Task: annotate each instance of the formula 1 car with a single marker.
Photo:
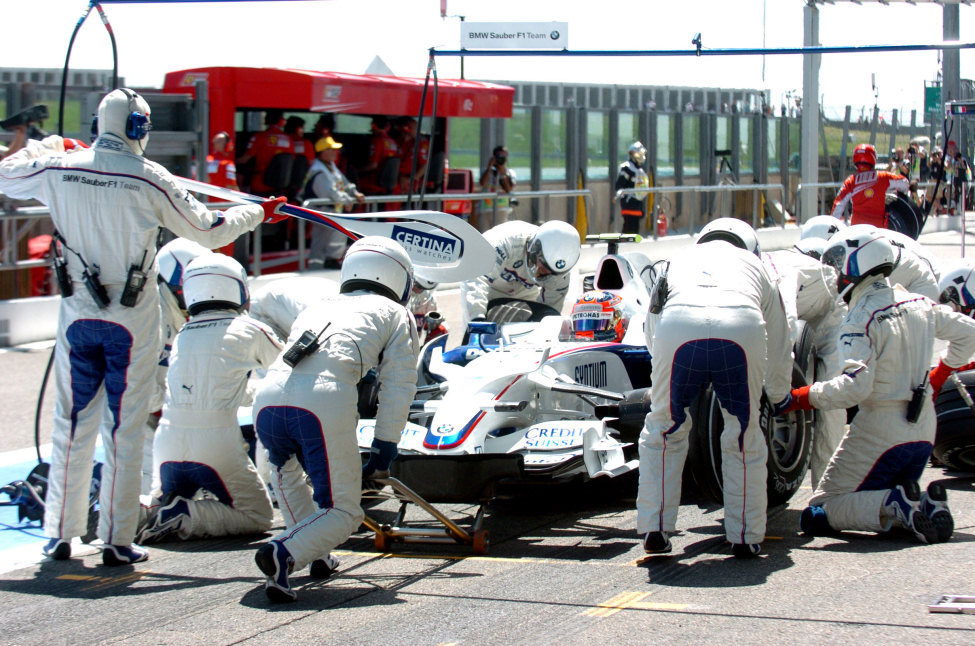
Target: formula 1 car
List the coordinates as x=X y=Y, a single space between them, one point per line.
x=568 y=409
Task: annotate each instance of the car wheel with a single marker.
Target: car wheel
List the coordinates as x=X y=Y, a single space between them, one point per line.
x=788 y=439
x=954 y=442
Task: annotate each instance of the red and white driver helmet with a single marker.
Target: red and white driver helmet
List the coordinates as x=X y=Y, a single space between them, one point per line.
x=864 y=154
x=598 y=316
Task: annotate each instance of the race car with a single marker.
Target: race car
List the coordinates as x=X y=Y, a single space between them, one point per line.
x=569 y=408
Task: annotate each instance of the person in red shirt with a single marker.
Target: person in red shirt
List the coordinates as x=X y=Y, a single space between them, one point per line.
x=406 y=131
x=263 y=147
x=381 y=148
x=866 y=189
x=221 y=170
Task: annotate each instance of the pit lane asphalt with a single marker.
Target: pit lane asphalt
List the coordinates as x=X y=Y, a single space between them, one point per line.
x=564 y=565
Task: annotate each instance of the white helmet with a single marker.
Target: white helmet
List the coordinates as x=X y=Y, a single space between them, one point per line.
x=378 y=265
x=857 y=254
x=957 y=287
x=555 y=246
x=421 y=284
x=637 y=152
x=124 y=114
x=737 y=232
x=172 y=260
x=812 y=247
x=214 y=281
x=821 y=226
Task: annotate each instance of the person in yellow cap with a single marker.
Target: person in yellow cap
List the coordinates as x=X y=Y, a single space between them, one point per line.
x=326 y=181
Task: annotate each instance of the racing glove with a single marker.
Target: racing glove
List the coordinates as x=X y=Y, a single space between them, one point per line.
x=381 y=455
x=798 y=399
x=73 y=145
x=939 y=375
x=271 y=212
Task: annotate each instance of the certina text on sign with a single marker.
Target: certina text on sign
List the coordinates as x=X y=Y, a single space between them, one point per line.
x=514 y=35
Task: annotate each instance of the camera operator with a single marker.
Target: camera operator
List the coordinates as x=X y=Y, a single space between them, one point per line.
x=498 y=178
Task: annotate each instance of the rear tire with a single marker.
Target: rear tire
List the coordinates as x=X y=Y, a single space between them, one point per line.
x=788 y=439
x=954 y=442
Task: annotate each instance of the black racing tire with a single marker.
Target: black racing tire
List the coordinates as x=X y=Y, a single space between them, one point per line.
x=788 y=439
x=903 y=215
x=954 y=441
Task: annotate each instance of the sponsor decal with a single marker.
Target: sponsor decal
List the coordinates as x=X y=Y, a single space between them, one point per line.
x=422 y=244
x=332 y=93
x=443 y=430
x=467 y=105
x=591 y=374
x=555 y=437
x=190 y=78
x=560 y=264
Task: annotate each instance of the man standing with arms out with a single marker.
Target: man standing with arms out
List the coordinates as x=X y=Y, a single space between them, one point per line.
x=326 y=181
x=306 y=415
x=108 y=203
x=633 y=175
x=866 y=189
x=721 y=321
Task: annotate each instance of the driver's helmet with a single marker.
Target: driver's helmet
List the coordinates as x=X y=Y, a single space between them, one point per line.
x=598 y=316
x=958 y=289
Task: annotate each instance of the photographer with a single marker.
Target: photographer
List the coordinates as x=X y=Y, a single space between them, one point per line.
x=498 y=178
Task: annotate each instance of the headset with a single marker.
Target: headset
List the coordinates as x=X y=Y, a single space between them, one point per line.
x=137 y=124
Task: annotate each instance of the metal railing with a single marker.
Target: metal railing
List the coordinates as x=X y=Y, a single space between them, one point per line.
x=719 y=191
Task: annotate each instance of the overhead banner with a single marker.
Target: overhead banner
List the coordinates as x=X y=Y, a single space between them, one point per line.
x=514 y=35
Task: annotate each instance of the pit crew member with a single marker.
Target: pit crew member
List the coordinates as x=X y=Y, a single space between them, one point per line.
x=533 y=263
x=303 y=414
x=198 y=446
x=716 y=317
x=866 y=189
x=632 y=175
x=886 y=341
x=108 y=203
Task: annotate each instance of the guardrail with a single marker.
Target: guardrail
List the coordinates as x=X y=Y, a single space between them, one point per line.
x=719 y=191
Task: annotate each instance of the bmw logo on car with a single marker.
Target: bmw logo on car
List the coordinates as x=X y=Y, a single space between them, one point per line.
x=443 y=430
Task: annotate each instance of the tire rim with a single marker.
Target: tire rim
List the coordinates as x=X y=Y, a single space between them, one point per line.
x=786 y=441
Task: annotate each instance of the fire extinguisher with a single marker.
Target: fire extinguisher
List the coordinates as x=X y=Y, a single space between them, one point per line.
x=661 y=224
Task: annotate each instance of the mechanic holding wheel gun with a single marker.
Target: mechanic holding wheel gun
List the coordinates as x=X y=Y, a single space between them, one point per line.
x=885 y=345
x=108 y=204
x=715 y=318
x=305 y=414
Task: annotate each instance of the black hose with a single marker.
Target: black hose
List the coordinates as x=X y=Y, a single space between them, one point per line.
x=433 y=135
x=419 y=131
x=64 y=73
x=40 y=405
x=111 y=36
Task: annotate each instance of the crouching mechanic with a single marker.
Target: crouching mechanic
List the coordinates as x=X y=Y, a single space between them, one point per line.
x=533 y=263
x=198 y=447
x=715 y=318
x=108 y=204
x=885 y=344
x=306 y=415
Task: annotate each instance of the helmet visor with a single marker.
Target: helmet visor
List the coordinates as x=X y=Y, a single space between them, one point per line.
x=592 y=321
x=538 y=268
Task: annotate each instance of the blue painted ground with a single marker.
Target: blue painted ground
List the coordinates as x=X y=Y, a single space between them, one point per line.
x=14 y=533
